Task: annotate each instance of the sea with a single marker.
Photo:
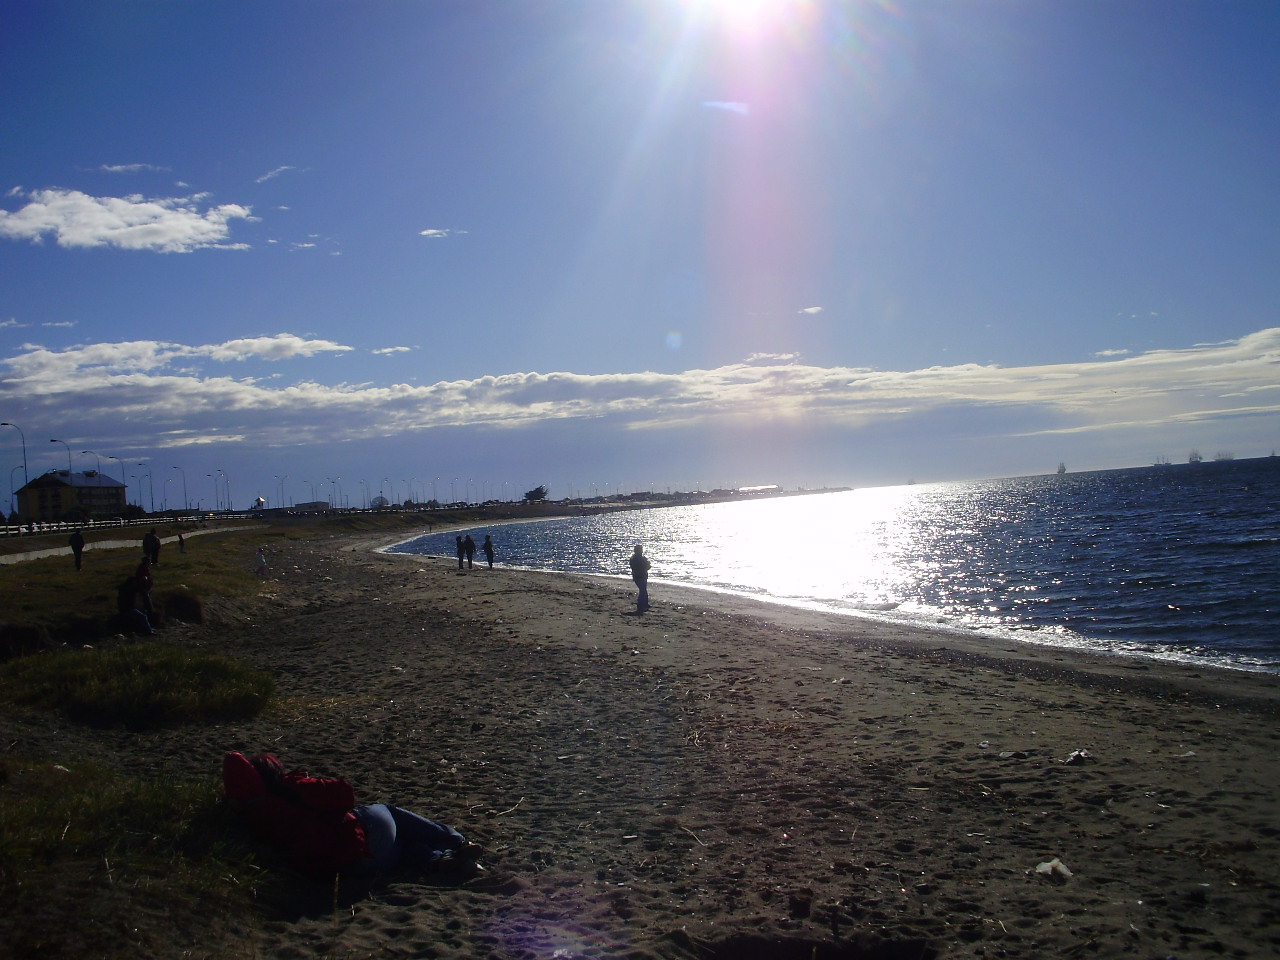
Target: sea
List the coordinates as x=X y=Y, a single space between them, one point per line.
x=1174 y=561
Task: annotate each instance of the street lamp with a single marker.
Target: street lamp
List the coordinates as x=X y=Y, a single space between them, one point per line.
x=25 y=477
x=186 y=504
x=217 y=494
x=151 y=485
x=121 y=462
x=99 y=459
x=13 y=494
x=70 y=469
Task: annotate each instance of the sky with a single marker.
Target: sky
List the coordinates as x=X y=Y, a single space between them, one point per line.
x=320 y=249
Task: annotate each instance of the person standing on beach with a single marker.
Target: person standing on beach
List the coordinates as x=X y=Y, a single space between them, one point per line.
x=469 y=546
x=151 y=547
x=640 y=574
x=77 y=546
x=462 y=550
x=487 y=547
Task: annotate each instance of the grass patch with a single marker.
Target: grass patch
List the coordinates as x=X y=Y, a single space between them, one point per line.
x=137 y=685
x=94 y=864
x=48 y=601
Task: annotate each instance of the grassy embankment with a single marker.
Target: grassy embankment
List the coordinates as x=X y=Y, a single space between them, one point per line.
x=94 y=863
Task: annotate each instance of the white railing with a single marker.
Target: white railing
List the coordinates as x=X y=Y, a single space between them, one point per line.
x=38 y=528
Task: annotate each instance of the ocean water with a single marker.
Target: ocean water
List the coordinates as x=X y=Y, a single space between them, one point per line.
x=1176 y=562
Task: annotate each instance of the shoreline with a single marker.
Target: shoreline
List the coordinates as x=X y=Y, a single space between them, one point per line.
x=707 y=781
x=977 y=641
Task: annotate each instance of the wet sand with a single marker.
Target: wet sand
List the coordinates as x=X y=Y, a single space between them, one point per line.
x=718 y=778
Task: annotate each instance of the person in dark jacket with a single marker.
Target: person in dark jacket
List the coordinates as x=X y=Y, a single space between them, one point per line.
x=639 y=564
x=316 y=823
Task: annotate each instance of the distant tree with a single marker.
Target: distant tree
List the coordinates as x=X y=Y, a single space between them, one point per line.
x=537 y=494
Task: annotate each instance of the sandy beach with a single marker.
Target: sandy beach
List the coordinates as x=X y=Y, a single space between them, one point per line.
x=723 y=779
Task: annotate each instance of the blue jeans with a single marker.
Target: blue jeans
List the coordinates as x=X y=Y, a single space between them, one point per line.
x=642 y=601
x=399 y=836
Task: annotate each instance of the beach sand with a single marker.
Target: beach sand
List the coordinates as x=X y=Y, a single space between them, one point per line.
x=723 y=779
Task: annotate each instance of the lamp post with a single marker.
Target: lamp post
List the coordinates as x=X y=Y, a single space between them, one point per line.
x=13 y=493
x=99 y=459
x=70 y=469
x=25 y=477
x=164 y=494
x=121 y=462
x=186 y=504
x=280 y=479
x=151 y=485
x=365 y=484
x=217 y=495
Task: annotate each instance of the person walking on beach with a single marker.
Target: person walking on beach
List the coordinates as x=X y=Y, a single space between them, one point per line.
x=640 y=574
x=462 y=550
x=469 y=546
x=262 y=562
x=77 y=546
x=487 y=547
x=151 y=547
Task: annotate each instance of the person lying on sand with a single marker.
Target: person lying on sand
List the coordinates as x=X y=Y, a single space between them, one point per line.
x=316 y=823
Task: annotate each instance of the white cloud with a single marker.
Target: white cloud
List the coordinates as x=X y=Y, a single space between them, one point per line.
x=434 y=233
x=166 y=225
x=283 y=346
x=271 y=175
x=158 y=386
x=387 y=351
x=811 y=310
x=131 y=168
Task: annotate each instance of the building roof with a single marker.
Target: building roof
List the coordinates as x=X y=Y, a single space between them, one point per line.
x=61 y=478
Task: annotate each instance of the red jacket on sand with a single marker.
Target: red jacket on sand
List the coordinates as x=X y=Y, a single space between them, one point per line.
x=310 y=819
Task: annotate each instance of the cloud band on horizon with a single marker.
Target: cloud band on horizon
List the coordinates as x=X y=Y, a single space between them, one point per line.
x=161 y=389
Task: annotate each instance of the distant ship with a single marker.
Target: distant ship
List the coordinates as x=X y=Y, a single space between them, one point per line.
x=1195 y=457
x=1062 y=468
x=1224 y=455
x=1161 y=462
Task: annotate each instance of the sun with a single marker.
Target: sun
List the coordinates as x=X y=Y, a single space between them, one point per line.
x=742 y=16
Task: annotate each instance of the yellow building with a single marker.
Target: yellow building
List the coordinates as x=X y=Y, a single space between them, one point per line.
x=59 y=495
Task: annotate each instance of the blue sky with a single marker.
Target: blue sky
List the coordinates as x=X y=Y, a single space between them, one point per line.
x=621 y=244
